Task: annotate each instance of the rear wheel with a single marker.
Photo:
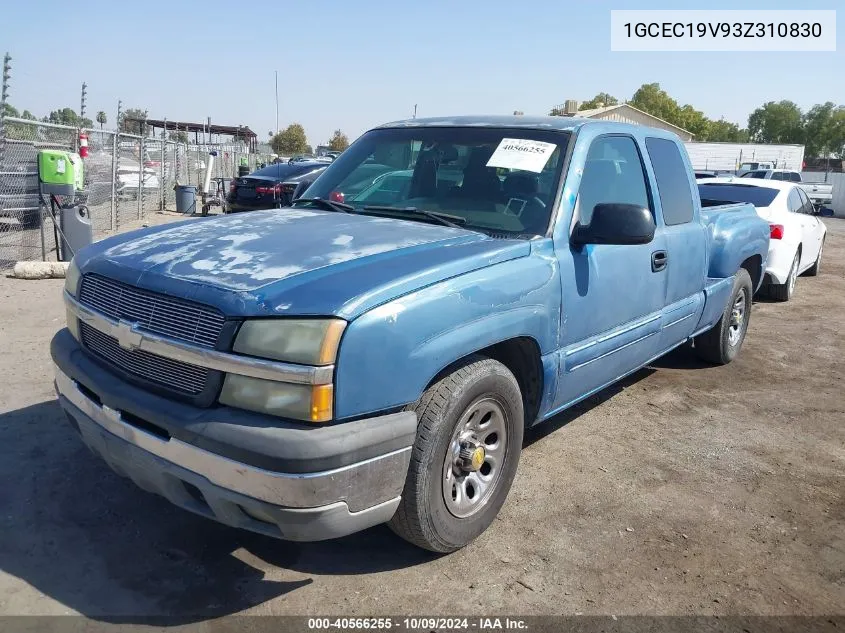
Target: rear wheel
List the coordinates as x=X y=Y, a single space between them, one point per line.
x=464 y=458
x=813 y=270
x=784 y=292
x=721 y=343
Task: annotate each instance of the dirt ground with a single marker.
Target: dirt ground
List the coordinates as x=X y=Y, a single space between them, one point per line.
x=685 y=490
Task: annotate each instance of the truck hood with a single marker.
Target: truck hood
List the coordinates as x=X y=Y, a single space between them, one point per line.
x=294 y=261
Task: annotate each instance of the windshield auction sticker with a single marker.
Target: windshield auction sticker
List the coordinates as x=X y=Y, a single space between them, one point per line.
x=520 y=153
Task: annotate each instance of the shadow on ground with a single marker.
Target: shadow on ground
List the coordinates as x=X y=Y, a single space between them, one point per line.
x=99 y=545
x=96 y=543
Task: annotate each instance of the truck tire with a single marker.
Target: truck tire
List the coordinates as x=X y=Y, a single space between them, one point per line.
x=813 y=270
x=784 y=292
x=465 y=456
x=721 y=343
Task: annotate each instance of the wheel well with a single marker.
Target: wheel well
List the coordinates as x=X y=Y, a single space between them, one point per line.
x=754 y=266
x=521 y=356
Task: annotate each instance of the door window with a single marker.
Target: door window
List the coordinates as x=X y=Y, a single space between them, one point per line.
x=613 y=172
x=806 y=205
x=793 y=202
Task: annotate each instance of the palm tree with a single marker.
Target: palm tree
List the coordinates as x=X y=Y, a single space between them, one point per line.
x=101 y=118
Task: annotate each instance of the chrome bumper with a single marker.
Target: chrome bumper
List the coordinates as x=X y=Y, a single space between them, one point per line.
x=366 y=484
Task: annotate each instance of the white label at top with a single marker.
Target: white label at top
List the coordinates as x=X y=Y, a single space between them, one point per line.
x=520 y=153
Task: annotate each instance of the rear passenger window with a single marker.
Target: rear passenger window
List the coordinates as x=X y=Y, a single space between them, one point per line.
x=672 y=180
x=793 y=202
x=794 y=177
x=613 y=172
x=776 y=175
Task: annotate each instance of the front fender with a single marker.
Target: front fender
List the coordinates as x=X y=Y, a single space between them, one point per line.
x=390 y=354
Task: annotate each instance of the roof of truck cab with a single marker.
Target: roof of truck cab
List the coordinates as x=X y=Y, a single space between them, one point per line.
x=554 y=123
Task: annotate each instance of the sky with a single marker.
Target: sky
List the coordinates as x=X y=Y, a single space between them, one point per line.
x=354 y=65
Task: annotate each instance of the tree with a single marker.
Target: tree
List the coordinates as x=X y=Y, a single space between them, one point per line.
x=180 y=136
x=133 y=126
x=338 y=142
x=10 y=110
x=824 y=130
x=101 y=118
x=290 y=141
x=653 y=99
x=722 y=131
x=68 y=116
x=29 y=116
x=776 y=122
x=601 y=100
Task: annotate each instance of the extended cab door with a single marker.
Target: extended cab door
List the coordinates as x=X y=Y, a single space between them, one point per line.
x=686 y=240
x=613 y=295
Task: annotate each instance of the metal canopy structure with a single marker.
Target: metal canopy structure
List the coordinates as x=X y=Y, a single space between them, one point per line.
x=236 y=131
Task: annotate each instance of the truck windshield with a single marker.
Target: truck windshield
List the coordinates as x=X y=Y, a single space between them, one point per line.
x=733 y=192
x=496 y=179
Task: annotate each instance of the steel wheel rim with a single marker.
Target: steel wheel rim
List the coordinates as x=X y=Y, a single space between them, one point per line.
x=482 y=424
x=793 y=274
x=738 y=320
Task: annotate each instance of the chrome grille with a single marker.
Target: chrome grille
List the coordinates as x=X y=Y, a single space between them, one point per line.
x=157 y=313
x=169 y=373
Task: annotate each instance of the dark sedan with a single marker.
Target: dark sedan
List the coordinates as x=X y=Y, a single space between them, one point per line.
x=270 y=187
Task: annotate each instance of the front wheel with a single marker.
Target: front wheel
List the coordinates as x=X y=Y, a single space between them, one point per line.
x=465 y=456
x=721 y=343
x=784 y=292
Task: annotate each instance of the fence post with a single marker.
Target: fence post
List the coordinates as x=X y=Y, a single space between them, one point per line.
x=114 y=161
x=141 y=174
x=4 y=91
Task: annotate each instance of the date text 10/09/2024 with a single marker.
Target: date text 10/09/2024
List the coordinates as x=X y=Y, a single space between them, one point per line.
x=418 y=624
x=723 y=29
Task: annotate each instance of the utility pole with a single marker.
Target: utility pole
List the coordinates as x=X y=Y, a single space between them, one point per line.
x=277 y=102
x=415 y=110
x=82 y=102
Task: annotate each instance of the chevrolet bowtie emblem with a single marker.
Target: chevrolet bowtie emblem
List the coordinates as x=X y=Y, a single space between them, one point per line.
x=127 y=337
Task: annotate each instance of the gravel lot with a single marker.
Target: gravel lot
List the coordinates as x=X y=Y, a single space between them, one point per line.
x=685 y=490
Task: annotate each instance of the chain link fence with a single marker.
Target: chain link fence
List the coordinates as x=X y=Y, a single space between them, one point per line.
x=127 y=177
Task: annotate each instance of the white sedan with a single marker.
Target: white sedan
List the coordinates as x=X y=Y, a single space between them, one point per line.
x=797 y=234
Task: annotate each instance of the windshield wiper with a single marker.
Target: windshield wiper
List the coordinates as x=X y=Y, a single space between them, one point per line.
x=455 y=221
x=328 y=205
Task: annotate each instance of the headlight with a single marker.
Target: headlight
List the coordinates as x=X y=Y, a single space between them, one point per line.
x=311 y=403
x=72 y=278
x=303 y=341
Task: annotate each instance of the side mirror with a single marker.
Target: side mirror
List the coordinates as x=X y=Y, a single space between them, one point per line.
x=616 y=223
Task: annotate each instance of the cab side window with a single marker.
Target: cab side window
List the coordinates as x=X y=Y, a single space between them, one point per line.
x=613 y=172
x=793 y=177
x=672 y=177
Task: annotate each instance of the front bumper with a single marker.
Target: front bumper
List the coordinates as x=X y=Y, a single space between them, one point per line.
x=298 y=506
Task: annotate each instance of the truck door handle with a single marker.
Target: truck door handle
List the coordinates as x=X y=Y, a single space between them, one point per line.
x=659 y=260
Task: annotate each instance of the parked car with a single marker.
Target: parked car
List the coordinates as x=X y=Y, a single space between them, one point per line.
x=744 y=168
x=821 y=193
x=797 y=234
x=312 y=372
x=270 y=187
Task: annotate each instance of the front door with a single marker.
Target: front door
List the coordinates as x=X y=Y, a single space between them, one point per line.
x=612 y=295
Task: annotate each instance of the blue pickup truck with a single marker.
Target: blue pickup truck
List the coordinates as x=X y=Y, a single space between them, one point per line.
x=375 y=357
